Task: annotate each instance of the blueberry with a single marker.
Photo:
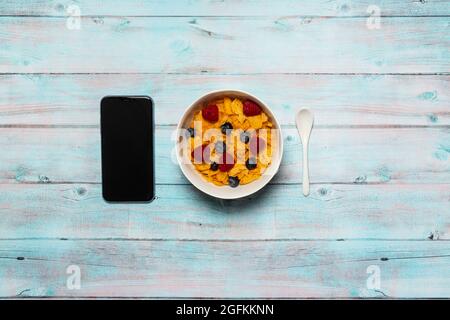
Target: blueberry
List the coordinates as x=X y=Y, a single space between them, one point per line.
x=190 y=132
x=233 y=181
x=221 y=147
x=226 y=127
x=245 y=137
x=214 y=166
x=250 y=163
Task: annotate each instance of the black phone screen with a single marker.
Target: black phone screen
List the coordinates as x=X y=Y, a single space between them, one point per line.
x=127 y=148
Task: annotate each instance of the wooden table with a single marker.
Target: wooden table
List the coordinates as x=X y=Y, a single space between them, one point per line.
x=380 y=150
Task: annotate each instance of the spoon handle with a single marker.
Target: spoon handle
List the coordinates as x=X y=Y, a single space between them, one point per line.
x=305 y=170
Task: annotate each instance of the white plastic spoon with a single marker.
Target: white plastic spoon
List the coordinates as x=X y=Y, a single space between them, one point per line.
x=304 y=121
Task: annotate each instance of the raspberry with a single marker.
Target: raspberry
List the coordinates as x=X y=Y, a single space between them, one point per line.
x=201 y=154
x=256 y=145
x=227 y=162
x=211 y=113
x=251 y=108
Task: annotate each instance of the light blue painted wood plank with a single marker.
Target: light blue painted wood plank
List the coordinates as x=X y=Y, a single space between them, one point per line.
x=391 y=209
x=337 y=100
x=225 y=45
x=226 y=269
x=332 y=211
x=396 y=156
x=229 y=8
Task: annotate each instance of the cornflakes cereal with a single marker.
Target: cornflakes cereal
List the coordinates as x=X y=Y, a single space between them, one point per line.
x=231 y=141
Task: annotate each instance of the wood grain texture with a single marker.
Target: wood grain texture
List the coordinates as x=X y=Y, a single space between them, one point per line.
x=280 y=212
x=225 y=269
x=225 y=45
x=228 y=8
x=361 y=156
x=336 y=100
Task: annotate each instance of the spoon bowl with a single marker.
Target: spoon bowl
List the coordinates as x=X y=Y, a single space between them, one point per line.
x=304 y=121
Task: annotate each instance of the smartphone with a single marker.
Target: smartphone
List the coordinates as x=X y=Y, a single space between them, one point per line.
x=126 y=125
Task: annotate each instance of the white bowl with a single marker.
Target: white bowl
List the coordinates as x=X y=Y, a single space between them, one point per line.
x=227 y=192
